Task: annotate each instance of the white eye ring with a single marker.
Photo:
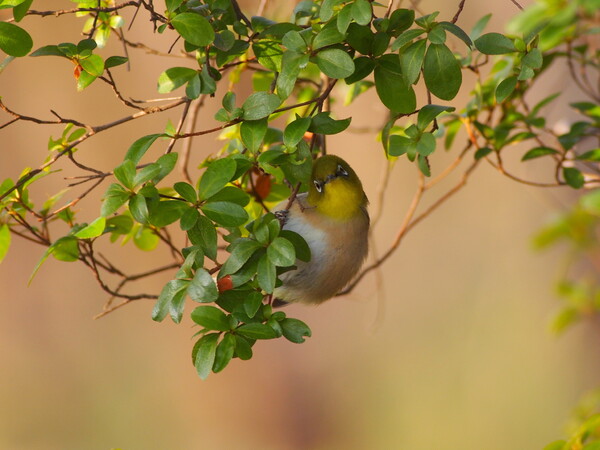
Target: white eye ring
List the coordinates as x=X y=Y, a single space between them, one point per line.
x=318 y=186
x=341 y=170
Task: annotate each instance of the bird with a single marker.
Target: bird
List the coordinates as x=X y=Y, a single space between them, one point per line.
x=332 y=218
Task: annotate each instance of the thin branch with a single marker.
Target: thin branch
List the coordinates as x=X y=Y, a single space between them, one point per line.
x=461 y=5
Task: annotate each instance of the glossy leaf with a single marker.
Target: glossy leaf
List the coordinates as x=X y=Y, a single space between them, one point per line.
x=204 y=352
x=224 y=352
x=295 y=330
x=252 y=133
x=94 y=229
x=202 y=288
x=411 y=60
x=494 y=44
x=393 y=91
x=194 y=28
x=256 y=331
x=281 y=252
x=260 y=105
x=113 y=199
x=335 y=63
x=14 y=40
x=441 y=71
x=217 y=175
x=211 y=318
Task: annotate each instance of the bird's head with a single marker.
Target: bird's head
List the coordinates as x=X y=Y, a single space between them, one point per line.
x=335 y=189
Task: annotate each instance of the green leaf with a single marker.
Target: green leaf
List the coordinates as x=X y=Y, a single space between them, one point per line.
x=458 y=32
x=194 y=87
x=125 y=173
x=204 y=234
x=14 y=40
x=228 y=101
x=252 y=303
x=479 y=26
x=231 y=194
x=139 y=208
x=186 y=191
x=281 y=252
x=202 y=288
x=494 y=44
x=592 y=155
x=253 y=132
x=335 y=63
x=426 y=144
x=399 y=145
x=437 y=35
x=176 y=306
x=93 y=64
x=344 y=18
x=217 y=175
x=405 y=38
x=189 y=219
x=165 y=212
x=65 y=249
x=294 y=330
x=505 y=88
x=573 y=177
x=363 y=68
x=241 y=252
x=48 y=50
x=211 y=318
x=423 y=163
x=145 y=239
x=286 y=80
x=441 y=71
x=243 y=350
x=300 y=246
x=20 y=10
x=267 y=274
x=483 y=152
x=361 y=12
x=224 y=352
x=429 y=112
x=392 y=89
x=411 y=60
x=533 y=59
x=194 y=28
x=226 y=214
x=114 y=61
x=146 y=174
x=256 y=331
x=269 y=54
x=84 y=80
x=5 y=239
x=537 y=152
x=167 y=164
x=175 y=77
x=322 y=123
x=260 y=105
x=293 y=41
x=139 y=148
x=329 y=35
x=294 y=131
x=205 y=351
x=113 y=199
x=94 y=229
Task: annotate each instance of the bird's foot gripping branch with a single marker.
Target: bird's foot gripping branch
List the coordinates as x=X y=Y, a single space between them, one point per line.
x=227 y=250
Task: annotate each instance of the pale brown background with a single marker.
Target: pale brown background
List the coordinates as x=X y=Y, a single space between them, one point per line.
x=462 y=358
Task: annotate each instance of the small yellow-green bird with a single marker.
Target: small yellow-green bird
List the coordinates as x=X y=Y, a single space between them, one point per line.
x=332 y=218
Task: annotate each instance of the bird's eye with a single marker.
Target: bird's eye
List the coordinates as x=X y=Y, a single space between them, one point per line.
x=341 y=170
x=318 y=185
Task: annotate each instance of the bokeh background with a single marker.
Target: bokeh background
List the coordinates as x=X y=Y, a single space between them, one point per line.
x=446 y=347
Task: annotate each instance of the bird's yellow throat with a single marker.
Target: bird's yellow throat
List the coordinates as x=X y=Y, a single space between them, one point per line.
x=341 y=200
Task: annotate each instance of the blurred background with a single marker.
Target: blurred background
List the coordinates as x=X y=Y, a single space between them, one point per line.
x=446 y=347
